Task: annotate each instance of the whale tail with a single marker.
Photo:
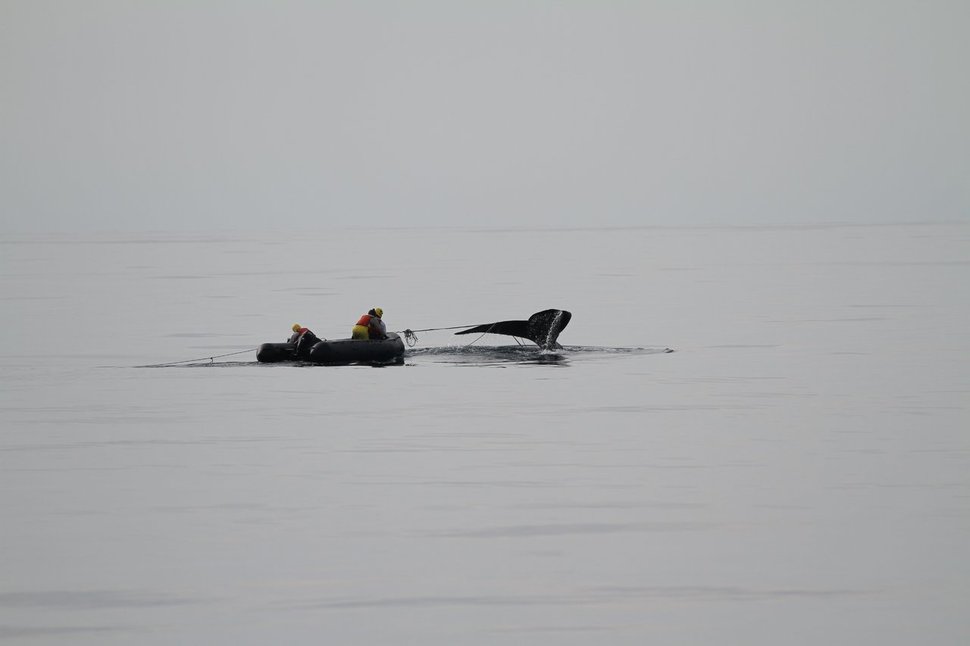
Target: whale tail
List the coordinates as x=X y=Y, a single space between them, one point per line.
x=542 y=328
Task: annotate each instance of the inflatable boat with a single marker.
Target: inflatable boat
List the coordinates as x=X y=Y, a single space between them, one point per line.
x=336 y=352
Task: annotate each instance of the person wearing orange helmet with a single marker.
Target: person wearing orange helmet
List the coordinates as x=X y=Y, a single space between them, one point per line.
x=370 y=326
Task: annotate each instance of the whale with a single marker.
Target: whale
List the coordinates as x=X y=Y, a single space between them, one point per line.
x=542 y=328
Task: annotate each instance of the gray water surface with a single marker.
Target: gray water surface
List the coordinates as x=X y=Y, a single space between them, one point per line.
x=796 y=471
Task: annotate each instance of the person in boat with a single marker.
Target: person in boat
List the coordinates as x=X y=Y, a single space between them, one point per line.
x=370 y=326
x=303 y=339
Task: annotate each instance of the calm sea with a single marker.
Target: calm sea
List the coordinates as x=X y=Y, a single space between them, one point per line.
x=797 y=471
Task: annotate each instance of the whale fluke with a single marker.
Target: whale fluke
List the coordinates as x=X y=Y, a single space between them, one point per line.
x=542 y=328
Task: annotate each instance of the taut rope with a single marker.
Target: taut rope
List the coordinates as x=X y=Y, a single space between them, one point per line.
x=211 y=359
x=412 y=339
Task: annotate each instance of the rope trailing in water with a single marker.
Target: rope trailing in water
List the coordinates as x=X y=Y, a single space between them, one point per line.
x=211 y=359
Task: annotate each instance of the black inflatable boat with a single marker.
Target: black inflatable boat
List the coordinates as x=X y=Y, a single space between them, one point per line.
x=336 y=352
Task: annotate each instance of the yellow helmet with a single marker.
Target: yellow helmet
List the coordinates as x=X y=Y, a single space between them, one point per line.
x=296 y=327
x=379 y=312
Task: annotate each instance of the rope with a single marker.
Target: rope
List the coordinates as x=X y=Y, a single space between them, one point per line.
x=435 y=329
x=211 y=359
x=412 y=339
x=477 y=340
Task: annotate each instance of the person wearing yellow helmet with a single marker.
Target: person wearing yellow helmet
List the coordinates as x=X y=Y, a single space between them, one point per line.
x=303 y=339
x=370 y=326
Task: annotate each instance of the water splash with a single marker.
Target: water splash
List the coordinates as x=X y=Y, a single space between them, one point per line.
x=553 y=333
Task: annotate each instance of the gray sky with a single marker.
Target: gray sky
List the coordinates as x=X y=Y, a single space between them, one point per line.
x=223 y=115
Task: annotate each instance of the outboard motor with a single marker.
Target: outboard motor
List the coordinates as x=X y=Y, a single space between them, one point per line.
x=305 y=343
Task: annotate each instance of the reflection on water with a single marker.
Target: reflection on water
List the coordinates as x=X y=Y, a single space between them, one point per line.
x=593 y=596
x=78 y=599
x=519 y=354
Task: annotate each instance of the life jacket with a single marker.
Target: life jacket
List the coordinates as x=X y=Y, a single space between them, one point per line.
x=365 y=320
